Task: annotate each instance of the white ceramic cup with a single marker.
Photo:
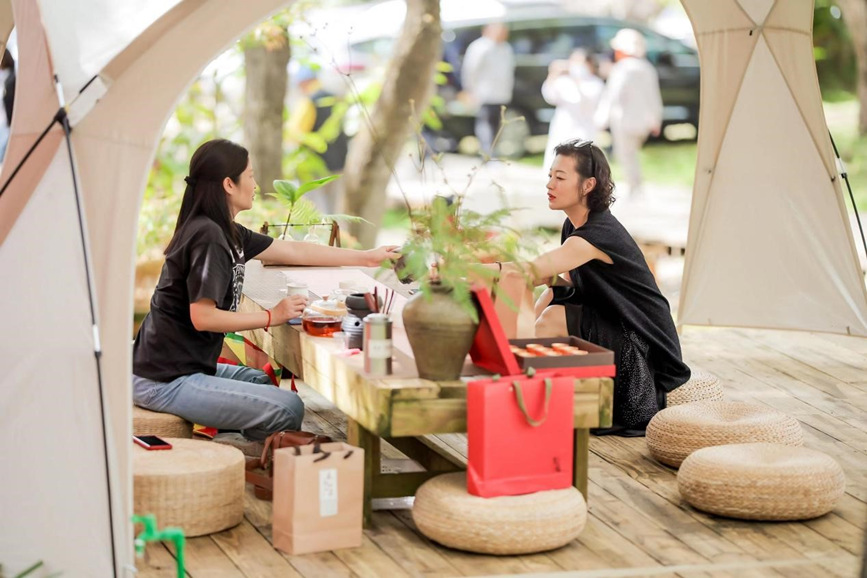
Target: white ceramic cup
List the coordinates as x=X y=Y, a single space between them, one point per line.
x=297 y=288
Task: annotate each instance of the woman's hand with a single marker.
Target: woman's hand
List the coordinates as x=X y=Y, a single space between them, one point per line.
x=288 y=308
x=375 y=257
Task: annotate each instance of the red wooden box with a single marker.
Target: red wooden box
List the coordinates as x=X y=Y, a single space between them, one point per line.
x=491 y=349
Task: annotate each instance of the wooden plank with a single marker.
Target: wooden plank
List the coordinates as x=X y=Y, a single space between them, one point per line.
x=356 y=396
x=369 y=561
x=600 y=547
x=417 y=556
x=650 y=535
x=685 y=524
x=157 y=562
x=845 y=364
x=453 y=445
x=758 y=362
x=426 y=454
x=202 y=557
x=360 y=437
x=748 y=379
x=816 y=371
x=252 y=553
x=592 y=405
x=319 y=564
x=760 y=540
x=581 y=449
x=399 y=485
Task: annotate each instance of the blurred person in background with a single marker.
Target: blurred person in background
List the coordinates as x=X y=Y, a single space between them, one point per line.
x=309 y=115
x=7 y=74
x=631 y=105
x=488 y=78
x=573 y=88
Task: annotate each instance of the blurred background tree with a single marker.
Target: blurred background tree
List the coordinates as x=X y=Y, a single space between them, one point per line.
x=855 y=17
x=267 y=53
x=406 y=91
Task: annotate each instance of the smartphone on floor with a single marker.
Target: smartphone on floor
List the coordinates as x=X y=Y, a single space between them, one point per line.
x=152 y=442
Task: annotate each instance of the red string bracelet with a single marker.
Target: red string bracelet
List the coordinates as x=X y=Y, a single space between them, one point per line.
x=268 y=311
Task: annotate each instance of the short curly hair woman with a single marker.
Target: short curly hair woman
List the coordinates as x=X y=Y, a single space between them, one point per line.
x=601 y=289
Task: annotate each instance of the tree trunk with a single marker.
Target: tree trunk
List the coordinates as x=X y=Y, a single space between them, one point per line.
x=406 y=91
x=264 y=95
x=855 y=16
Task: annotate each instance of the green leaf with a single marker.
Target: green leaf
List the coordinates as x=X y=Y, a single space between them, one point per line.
x=313 y=185
x=287 y=191
x=345 y=218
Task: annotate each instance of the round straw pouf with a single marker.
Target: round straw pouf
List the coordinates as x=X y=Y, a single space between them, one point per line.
x=165 y=425
x=196 y=485
x=761 y=481
x=444 y=512
x=702 y=386
x=676 y=432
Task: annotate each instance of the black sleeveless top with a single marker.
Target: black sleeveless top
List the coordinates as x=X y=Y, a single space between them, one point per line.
x=621 y=303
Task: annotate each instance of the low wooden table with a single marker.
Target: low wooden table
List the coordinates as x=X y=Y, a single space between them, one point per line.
x=400 y=408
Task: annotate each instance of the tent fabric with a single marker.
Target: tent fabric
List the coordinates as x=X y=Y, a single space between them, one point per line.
x=146 y=53
x=55 y=502
x=769 y=241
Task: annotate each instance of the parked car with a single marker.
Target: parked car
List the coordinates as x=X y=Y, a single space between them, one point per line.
x=539 y=34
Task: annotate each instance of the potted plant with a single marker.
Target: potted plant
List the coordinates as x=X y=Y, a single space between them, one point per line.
x=449 y=249
x=303 y=217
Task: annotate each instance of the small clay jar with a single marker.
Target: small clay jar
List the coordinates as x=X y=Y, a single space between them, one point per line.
x=353 y=324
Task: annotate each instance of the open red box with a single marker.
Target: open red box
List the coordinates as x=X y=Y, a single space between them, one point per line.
x=491 y=349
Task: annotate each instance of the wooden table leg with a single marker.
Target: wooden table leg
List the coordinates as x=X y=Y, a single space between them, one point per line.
x=360 y=437
x=581 y=460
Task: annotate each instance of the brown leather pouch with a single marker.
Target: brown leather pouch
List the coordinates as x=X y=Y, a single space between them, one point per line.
x=263 y=480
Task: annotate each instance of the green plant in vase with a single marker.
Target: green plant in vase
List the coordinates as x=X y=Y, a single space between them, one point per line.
x=449 y=249
x=302 y=212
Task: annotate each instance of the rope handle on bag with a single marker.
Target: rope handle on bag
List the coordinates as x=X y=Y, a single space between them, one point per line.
x=519 y=397
x=496 y=284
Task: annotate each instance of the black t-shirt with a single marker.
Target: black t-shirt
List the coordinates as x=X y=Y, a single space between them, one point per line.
x=201 y=265
x=624 y=295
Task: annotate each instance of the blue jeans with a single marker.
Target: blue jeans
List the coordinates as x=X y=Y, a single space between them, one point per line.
x=236 y=398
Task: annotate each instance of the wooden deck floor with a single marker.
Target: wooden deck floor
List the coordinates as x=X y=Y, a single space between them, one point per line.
x=638 y=525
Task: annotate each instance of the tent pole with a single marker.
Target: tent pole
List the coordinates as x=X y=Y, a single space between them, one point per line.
x=57 y=117
x=97 y=345
x=845 y=176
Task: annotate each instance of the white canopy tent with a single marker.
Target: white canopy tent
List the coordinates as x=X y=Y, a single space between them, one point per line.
x=121 y=66
x=769 y=244
x=767 y=218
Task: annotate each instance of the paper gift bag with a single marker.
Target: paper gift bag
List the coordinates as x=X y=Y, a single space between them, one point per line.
x=318 y=498
x=520 y=434
x=513 y=302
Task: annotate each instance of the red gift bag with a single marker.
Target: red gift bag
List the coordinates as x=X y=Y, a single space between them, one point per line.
x=520 y=436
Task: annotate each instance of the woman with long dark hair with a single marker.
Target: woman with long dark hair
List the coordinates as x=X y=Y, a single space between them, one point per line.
x=175 y=367
x=602 y=290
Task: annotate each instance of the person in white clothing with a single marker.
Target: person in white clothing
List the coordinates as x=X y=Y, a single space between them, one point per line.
x=488 y=77
x=631 y=105
x=574 y=90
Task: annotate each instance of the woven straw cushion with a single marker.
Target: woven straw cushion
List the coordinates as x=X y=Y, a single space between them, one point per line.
x=445 y=512
x=197 y=485
x=761 y=481
x=164 y=425
x=676 y=432
x=702 y=386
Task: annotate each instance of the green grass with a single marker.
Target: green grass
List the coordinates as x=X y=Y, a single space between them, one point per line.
x=673 y=163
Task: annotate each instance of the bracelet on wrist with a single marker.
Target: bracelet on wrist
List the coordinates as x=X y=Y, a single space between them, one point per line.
x=268 y=311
